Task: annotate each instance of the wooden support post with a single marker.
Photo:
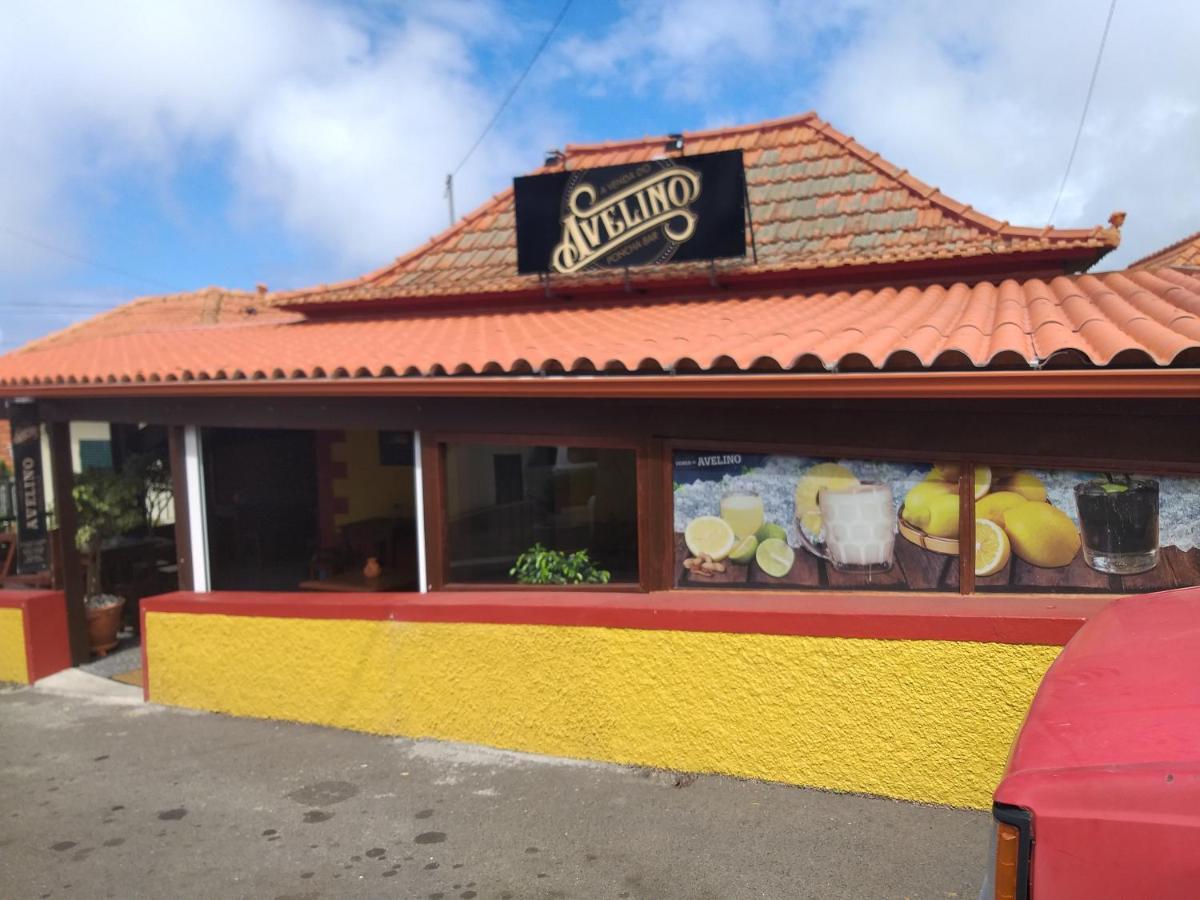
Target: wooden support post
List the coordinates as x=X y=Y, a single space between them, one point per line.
x=437 y=565
x=70 y=573
x=183 y=534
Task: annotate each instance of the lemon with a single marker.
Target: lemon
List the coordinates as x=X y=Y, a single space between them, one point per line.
x=1041 y=534
x=943 y=516
x=743 y=551
x=811 y=523
x=994 y=505
x=983 y=480
x=944 y=472
x=775 y=557
x=771 y=530
x=1026 y=484
x=917 y=500
x=814 y=480
x=992 y=548
x=709 y=535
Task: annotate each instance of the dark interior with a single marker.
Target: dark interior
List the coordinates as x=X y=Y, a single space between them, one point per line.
x=261 y=495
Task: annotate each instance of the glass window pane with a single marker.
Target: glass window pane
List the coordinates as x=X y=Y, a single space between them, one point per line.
x=1078 y=531
x=503 y=499
x=791 y=522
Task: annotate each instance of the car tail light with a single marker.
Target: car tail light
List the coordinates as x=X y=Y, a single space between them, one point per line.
x=1014 y=848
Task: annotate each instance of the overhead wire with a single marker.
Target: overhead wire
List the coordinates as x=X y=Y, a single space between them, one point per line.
x=1083 y=115
x=512 y=91
x=78 y=257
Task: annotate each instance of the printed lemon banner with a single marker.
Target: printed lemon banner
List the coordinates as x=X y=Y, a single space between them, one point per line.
x=778 y=521
x=1100 y=532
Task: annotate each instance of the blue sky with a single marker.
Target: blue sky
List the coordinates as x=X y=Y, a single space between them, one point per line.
x=292 y=142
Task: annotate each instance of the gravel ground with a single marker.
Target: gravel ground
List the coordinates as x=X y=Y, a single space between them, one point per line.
x=108 y=797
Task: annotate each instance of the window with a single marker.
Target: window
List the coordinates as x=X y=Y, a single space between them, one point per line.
x=798 y=522
x=95 y=455
x=503 y=499
x=1085 y=532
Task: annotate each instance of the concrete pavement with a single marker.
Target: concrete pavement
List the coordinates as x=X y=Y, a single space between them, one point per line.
x=107 y=797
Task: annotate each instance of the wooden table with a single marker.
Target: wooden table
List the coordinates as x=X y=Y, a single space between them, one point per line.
x=914 y=569
x=357 y=582
x=920 y=570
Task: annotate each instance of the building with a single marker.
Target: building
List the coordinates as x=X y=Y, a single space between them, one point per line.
x=1182 y=254
x=848 y=487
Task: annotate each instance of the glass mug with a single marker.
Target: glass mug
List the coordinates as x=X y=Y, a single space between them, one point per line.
x=858 y=527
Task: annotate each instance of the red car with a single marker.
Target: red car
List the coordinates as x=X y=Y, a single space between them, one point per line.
x=1101 y=796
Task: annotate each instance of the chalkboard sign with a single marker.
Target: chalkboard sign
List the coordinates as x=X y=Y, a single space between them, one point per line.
x=33 y=546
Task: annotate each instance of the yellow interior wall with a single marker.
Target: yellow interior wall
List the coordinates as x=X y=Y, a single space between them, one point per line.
x=919 y=720
x=370 y=490
x=13 y=664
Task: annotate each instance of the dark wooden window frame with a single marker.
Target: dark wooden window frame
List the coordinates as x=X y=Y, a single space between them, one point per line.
x=647 y=458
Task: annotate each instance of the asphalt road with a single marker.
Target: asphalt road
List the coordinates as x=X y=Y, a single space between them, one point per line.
x=110 y=799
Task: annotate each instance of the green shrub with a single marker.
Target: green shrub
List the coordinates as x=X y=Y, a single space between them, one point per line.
x=537 y=565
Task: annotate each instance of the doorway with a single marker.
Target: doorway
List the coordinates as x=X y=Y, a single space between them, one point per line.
x=261 y=499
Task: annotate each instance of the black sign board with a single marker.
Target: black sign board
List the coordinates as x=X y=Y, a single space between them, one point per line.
x=33 y=546
x=665 y=210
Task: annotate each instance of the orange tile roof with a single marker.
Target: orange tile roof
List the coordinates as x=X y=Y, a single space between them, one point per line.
x=818 y=198
x=168 y=312
x=1140 y=318
x=1183 y=253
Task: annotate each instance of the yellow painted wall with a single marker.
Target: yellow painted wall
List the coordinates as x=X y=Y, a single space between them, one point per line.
x=918 y=720
x=370 y=490
x=13 y=665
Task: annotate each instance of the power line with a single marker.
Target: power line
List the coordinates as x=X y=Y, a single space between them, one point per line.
x=13 y=309
x=71 y=254
x=1083 y=116
x=504 y=104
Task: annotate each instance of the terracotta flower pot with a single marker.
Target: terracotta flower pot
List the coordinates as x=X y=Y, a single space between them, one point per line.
x=103 y=625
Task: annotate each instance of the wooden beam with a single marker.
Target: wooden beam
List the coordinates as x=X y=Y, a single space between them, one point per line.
x=183 y=534
x=975 y=384
x=437 y=561
x=69 y=563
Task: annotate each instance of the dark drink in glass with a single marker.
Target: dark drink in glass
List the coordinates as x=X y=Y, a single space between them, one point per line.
x=1119 y=521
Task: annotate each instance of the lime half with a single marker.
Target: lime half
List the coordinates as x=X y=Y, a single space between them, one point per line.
x=775 y=557
x=710 y=536
x=771 y=530
x=743 y=551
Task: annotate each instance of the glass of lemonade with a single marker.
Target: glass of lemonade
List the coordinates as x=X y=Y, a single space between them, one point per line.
x=1119 y=521
x=743 y=511
x=860 y=526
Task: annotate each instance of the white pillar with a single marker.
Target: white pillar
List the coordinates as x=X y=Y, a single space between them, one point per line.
x=419 y=500
x=197 y=520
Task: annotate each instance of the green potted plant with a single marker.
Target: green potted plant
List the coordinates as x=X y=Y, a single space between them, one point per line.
x=537 y=565
x=109 y=504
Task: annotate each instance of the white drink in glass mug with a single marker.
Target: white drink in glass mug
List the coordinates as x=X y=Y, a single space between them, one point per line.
x=860 y=525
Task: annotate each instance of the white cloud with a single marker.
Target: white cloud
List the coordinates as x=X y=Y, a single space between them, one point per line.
x=980 y=99
x=683 y=49
x=341 y=122
x=984 y=99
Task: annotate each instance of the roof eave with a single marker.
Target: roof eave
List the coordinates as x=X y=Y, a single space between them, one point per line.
x=995 y=267
x=992 y=384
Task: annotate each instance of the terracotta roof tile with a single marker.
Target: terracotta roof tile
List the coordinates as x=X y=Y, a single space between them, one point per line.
x=821 y=187
x=1138 y=317
x=1183 y=253
x=168 y=312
